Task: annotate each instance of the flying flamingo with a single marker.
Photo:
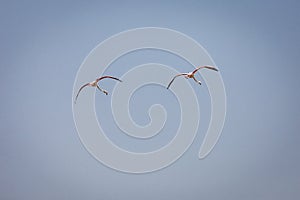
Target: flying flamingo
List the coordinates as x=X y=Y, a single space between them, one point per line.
x=95 y=84
x=192 y=74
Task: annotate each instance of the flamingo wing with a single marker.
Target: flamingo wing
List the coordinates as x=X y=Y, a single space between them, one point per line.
x=206 y=66
x=175 y=78
x=80 y=91
x=103 y=77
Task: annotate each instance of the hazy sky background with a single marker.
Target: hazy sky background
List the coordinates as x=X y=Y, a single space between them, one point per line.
x=254 y=43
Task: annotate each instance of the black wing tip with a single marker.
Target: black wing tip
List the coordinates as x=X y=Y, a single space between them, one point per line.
x=211 y=67
x=112 y=77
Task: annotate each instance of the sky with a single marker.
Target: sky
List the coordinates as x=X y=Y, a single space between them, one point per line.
x=254 y=44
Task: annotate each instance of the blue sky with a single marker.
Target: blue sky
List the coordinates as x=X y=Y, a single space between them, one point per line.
x=254 y=43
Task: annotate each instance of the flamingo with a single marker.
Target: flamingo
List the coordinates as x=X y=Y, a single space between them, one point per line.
x=95 y=84
x=192 y=74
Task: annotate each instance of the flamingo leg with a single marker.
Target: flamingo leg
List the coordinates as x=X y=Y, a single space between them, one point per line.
x=104 y=91
x=196 y=80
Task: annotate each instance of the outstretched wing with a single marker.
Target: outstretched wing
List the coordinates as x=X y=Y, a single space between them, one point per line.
x=207 y=67
x=174 y=79
x=103 y=77
x=80 y=91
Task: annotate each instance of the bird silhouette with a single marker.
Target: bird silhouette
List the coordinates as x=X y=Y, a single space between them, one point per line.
x=95 y=84
x=192 y=74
